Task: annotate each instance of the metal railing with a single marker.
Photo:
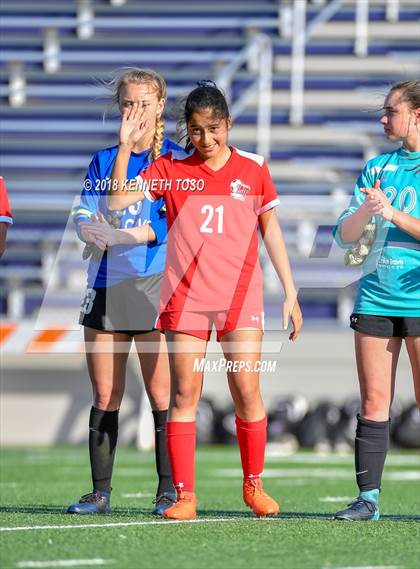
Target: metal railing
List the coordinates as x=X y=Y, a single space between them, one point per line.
x=292 y=19
x=258 y=56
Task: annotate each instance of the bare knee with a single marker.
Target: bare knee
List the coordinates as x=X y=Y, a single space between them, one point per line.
x=248 y=397
x=185 y=399
x=108 y=400
x=159 y=399
x=375 y=408
x=107 y=405
x=158 y=394
x=249 y=404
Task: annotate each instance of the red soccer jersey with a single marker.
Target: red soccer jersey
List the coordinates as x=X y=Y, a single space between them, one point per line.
x=5 y=211
x=212 y=253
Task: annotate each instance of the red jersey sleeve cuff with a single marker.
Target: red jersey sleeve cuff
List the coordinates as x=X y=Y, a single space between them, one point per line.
x=268 y=206
x=144 y=187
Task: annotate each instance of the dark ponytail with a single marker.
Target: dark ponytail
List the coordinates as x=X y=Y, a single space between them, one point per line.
x=206 y=95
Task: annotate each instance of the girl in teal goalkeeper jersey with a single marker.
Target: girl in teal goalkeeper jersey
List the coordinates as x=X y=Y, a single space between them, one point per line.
x=387 y=306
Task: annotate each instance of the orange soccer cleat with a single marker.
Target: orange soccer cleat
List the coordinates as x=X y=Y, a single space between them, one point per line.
x=256 y=499
x=185 y=507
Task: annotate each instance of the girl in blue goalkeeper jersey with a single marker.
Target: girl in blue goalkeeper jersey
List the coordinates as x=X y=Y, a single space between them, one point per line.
x=387 y=306
x=123 y=293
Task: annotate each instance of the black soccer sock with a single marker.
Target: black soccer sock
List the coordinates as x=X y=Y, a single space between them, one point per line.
x=372 y=443
x=163 y=466
x=103 y=434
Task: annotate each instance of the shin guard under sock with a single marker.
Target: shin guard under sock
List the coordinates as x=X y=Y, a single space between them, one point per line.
x=163 y=466
x=181 y=450
x=252 y=438
x=103 y=434
x=371 y=446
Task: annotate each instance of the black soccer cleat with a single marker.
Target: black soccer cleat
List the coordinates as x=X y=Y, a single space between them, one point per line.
x=97 y=502
x=163 y=502
x=360 y=510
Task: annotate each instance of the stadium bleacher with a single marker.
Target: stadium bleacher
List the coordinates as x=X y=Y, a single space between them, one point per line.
x=54 y=57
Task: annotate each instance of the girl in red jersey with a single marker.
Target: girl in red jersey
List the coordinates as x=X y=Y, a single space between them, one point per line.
x=216 y=198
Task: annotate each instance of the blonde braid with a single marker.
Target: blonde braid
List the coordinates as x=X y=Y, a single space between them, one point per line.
x=158 y=138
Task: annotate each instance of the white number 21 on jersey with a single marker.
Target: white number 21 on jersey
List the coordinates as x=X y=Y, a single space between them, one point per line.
x=209 y=210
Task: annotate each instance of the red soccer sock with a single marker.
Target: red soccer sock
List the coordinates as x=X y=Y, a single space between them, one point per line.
x=252 y=437
x=181 y=451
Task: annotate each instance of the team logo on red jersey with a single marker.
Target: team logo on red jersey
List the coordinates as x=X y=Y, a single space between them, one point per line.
x=239 y=189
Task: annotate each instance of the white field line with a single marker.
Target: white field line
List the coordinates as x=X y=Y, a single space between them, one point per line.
x=320 y=458
x=127 y=524
x=63 y=563
x=366 y=567
x=134 y=471
x=125 y=472
x=336 y=473
x=272 y=455
x=138 y=495
x=403 y=475
x=235 y=482
x=39 y=483
x=143 y=460
x=74 y=459
x=288 y=473
x=334 y=499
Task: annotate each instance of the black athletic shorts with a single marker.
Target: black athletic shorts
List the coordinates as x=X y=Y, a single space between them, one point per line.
x=130 y=307
x=385 y=326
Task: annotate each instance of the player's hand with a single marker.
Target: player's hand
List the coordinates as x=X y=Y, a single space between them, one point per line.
x=133 y=125
x=86 y=236
x=376 y=203
x=101 y=232
x=291 y=310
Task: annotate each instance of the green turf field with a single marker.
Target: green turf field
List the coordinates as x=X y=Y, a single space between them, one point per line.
x=37 y=485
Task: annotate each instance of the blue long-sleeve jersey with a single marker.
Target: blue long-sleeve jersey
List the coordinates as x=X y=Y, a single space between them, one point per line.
x=122 y=262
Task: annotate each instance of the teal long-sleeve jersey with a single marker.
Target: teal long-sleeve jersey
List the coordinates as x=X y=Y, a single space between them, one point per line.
x=390 y=284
